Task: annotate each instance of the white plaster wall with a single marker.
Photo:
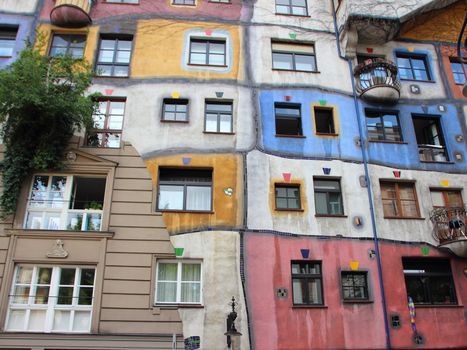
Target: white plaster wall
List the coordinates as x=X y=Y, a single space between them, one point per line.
x=412 y=229
x=263 y=169
x=333 y=71
x=319 y=15
x=220 y=252
x=428 y=90
x=145 y=131
x=18 y=6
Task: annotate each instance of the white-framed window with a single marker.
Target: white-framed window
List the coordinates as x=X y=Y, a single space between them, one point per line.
x=51 y=299
x=179 y=282
x=65 y=202
x=218 y=116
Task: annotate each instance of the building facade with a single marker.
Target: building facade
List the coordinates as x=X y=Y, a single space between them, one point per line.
x=306 y=158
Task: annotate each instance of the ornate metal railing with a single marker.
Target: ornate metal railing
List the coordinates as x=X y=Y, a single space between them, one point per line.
x=449 y=224
x=374 y=73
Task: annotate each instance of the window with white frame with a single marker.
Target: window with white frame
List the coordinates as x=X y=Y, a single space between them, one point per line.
x=65 y=202
x=291 y=7
x=178 y=282
x=293 y=56
x=185 y=189
x=184 y=2
x=108 y=124
x=51 y=299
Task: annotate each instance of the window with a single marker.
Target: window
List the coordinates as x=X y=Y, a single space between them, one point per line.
x=185 y=189
x=293 y=56
x=178 y=282
x=218 y=117
x=222 y=1
x=60 y=202
x=7 y=41
x=430 y=140
x=291 y=7
x=51 y=299
x=328 y=197
x=412 y=67
x=307 y=283
x=287 y=196
x=123 y=1
x=324 y=121
x=207 y=52
x=444 y=198
x=429 y=281
x=108 y=124
x=288 y=119
x=457 y=70
x=354 y=286
x=114 y=57
x=175 y=110
x=67 y=44
x=184 y=2
x=383 y=126
x=399 y=200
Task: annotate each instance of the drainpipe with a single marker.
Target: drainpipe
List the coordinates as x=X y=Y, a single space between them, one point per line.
x=368 y=181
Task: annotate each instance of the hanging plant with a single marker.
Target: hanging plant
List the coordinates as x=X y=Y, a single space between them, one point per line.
x=43 y=101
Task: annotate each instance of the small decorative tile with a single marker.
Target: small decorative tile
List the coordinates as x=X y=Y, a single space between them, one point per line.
x=305 y=253
x=109 y=92
x=175 y=94
x=397 y=173
x=287 y=177
x=228 y=191
x=219 y=94
x=354 y=265
x=186 y=161
x=293 y=36
x=179 y=251
x=326 y=171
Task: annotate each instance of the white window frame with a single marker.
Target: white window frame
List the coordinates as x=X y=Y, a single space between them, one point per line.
x=179 y=282
x=51 y=307
x=50 y=211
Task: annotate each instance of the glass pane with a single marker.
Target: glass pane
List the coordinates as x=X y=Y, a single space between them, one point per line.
x=167 y=272
x=169 y=116
x=77 y=52
x=44 y=275
x=405 y=73
x=418 y=64
x=104 y=71
x=166 y=292
x=409 y=208
x=24 y=275
x=198 y=198
x=120 y=71
x=124 y=45
x=42 y=295
x=314 y=290
x=216 y=60
x=116 y=108
x=420 y=75
x=293 y=203
x=406 y=191
x=85 y=296
x=6 y=47
x=216 y=48
x=108 y=44
x=403 y=62
x=219 y=107
x=198 y=58
x=281 y=191
x=282 y=9
x=191 y=272
x=112 y=140
x=287 y=112
x=106 y=56
x=326 y=185
x=442 y=290
x=82 y=321
x=305 y=63
x=170 y=197
x=198 y=47
x=61 y=320
x=20 y=295
x=335 y=204
x=190 y=292
x=282 y=61
x=299 y=3
x=211 y=122
x=95 y=219
x=298 y=291
x=390 y=207
x=321 y=203
x=67 y=276
x=281 y=203
x=36 y=320
x=225 y=123
x=115 y=122
x=87 y=277
x=123 y=57
x=299 y=11
x=415 y=289
x=437 y=199
x=65 y=296
x=75 y=221
x=16 y=320
x=34 y=221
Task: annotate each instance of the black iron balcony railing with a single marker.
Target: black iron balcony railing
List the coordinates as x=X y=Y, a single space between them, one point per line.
x=376 y=80
x=449 y=224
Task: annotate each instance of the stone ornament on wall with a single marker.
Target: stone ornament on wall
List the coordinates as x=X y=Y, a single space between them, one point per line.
x=57 y=250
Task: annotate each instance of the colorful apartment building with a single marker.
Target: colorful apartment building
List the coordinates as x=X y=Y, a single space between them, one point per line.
x=306 y=158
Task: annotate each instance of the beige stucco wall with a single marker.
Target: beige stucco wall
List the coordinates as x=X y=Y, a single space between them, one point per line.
x=18 y=6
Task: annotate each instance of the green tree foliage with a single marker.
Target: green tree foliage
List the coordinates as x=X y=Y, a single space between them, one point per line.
x=43 y=101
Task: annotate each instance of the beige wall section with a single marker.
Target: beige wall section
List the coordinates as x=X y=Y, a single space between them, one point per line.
x=18 y=6
x=220 y=253
x=227 y=172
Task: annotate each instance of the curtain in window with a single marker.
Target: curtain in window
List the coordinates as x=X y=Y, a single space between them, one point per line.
x=191 y=277
x=198 y=198
x=167 y=282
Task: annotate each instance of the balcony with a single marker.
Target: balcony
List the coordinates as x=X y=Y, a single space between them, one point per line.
x=449 y=229
x=376 y=81
x=71 y=13
x=432 y=153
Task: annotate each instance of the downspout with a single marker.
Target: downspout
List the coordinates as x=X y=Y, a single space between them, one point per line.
x=368 y=181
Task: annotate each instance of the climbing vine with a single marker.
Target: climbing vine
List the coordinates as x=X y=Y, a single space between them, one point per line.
x=43 y=101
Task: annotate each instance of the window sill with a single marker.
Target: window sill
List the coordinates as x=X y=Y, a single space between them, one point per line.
x=309 y=306
x=349 y=301
x=419 y=81
x=6 y=56
x=292 y=136
x=58 y=233
x=218 y=133
x=287 y=209
x=292 y=15
x=110 y=76
x=207 y=65
x=330 y=216
x=186 y=211
x=295 y=70
x=178 y=306
x=175 y=121
x=120 y=3
x=403 y=217
x=388 y=141
x=436 y=162
x=326 y=134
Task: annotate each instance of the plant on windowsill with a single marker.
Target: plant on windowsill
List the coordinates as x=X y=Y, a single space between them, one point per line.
x=93 y=205
x=43 y=102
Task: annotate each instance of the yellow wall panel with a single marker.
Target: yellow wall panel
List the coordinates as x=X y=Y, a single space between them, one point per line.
x=227 y=173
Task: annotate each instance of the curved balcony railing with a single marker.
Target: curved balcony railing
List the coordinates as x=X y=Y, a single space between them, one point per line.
x=71 y=13
x=377 y=81
x=449 y=224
